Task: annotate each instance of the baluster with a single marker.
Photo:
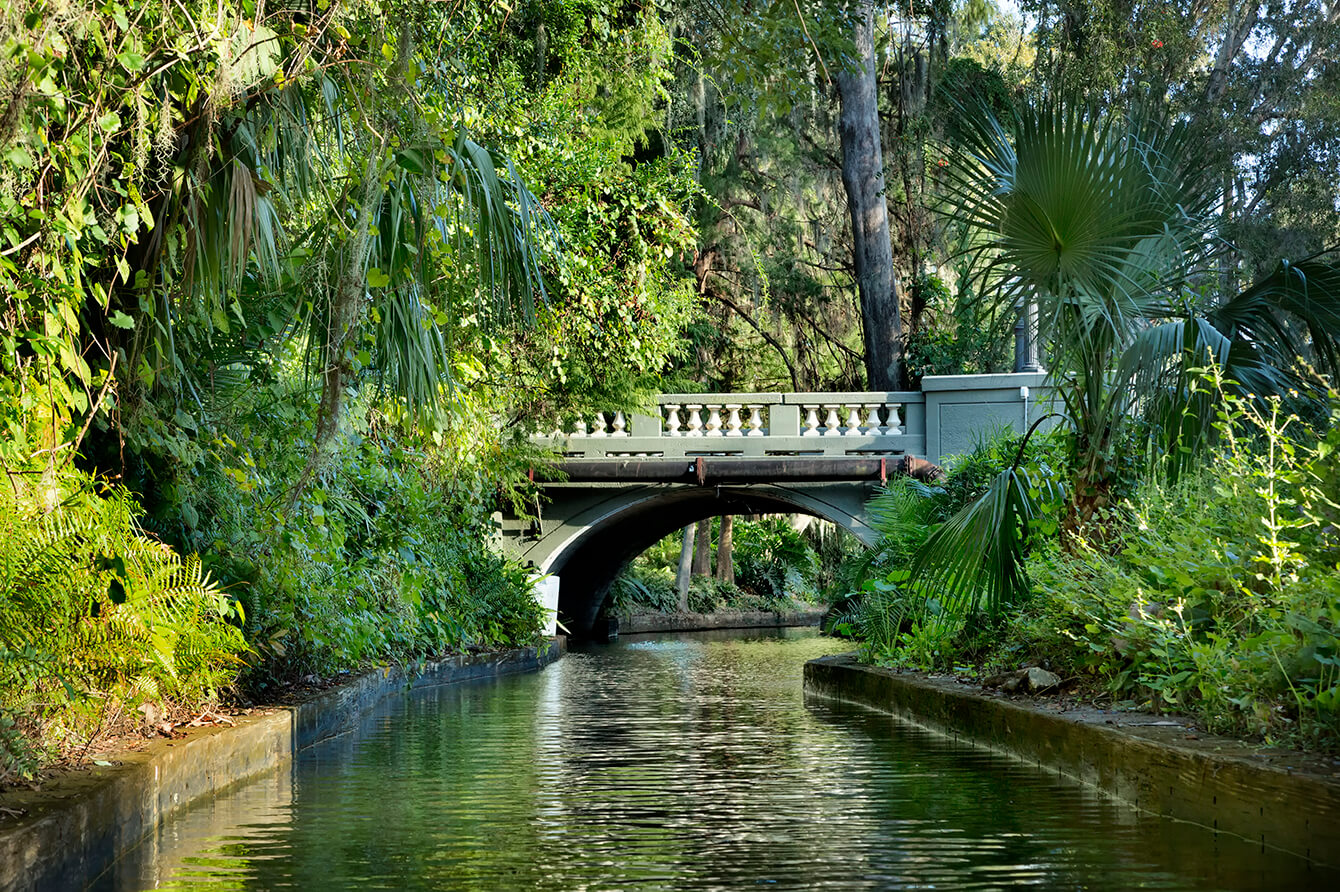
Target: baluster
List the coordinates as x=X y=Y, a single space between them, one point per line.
x=831 y=423
x=811 y=422
x=598 y=427
x=853 y=422
x=755 y=422
x=558 y=429
x=695 y=421
x=895 y=423
x=872 y=425
x=713 y=421
x=672 y=420
x=619 y=425
x=733 y=424
x=579 y=427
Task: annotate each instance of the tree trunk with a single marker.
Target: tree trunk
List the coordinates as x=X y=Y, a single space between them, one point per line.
x=1236 y=32
x=341 y=326
x=863 y=179
x=725 y=550
x=702 y=555
x=684 y=576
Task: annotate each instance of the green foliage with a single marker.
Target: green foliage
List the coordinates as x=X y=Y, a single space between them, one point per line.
x=956 y=333
x=1214 y=593
x=96 y=618
x=382 y=557
x=776 y=568
x=1222 y=599
x=925 y=585
x=773 y=560
x=1104 y=222
x=643 y=589
x=707 y=594
x=296 y=276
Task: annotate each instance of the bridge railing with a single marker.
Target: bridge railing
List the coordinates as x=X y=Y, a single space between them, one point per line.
x=754 y=424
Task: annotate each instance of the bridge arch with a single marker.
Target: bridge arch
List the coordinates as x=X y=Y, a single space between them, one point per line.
x=590 y=535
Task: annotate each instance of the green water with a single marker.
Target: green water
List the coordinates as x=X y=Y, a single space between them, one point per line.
x=684 y=763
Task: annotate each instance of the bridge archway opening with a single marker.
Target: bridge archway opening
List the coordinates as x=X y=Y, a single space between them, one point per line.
x=600 y=546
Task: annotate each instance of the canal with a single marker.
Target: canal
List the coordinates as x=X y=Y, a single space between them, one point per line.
x=672 y=763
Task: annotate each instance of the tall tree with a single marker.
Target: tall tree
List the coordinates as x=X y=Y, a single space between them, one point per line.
x=726 y=550
x=863 y=177
x=702 y=554
x=684 y=576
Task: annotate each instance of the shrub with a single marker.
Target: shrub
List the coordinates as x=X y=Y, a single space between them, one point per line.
x=896 y=619
x=775 y=569
x=97 y=618
x=642 y=589
x=773 y=560
x=1222 y=596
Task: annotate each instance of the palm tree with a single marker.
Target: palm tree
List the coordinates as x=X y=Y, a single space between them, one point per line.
x=349 y=199
x=1107 y=223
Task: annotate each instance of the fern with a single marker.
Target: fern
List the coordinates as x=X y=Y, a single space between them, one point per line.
x=96 y=615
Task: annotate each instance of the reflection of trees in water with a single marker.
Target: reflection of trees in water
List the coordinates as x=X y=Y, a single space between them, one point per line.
x=678 y=763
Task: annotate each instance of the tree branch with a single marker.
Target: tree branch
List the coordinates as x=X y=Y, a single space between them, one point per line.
x=776 y=345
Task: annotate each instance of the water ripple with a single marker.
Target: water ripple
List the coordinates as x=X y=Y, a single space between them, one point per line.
x=674 y=764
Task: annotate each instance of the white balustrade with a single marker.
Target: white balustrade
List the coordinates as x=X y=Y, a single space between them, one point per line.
x=895 y=424
x=853 y=422
x=672 y=420
x=862 y=418
x=811 y=421
x=713 y=421
x=832 y=426
x=755 y=422
x=872 y=425
x=733 y=420
x=695 y=421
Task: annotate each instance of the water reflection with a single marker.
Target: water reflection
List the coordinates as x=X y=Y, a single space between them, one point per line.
x=689 y=763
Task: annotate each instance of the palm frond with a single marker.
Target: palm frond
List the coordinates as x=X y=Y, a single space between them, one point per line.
x=1296 y=299
x=1090 y=215
x=975 y=560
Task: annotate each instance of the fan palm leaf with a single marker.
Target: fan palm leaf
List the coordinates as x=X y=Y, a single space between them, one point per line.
x=1107 y=224
x=975 y=560
x=1268 y=318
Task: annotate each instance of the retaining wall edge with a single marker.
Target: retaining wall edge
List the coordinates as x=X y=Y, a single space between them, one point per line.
x=109 y=811
x=1224 y=791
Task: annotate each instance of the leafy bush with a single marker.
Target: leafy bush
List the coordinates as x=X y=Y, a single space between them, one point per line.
x=776 y=568
x=642 y=589
x=773 y=560
x=1222 y=597
x=96 y=618
x=901 y=620
x=1216 y=593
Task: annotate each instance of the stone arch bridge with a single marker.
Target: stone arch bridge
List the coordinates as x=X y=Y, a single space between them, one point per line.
x=625 y=483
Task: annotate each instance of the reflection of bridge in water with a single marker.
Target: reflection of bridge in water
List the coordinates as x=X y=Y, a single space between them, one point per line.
x=628 y=482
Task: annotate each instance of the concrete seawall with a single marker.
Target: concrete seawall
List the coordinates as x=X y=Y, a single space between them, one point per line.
x=726 y=619
x=1287 y=801
x=76 y=826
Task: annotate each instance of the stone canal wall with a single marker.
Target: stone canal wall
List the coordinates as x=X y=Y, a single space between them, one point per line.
x=703 y=622
x=1284 y=800
x=75 y=826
